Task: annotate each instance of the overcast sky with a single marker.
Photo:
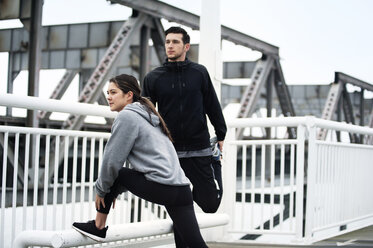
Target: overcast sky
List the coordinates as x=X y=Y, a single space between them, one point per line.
x=315 y=37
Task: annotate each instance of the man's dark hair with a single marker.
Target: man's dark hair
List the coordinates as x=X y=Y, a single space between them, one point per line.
x=179 y=30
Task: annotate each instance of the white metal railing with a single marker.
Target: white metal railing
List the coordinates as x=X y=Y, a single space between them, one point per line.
x=31 y=200
x=263 y=192
x=264 y=180
x=44 y=196
x=339 y=182
x=56 y=202
x=261 y=198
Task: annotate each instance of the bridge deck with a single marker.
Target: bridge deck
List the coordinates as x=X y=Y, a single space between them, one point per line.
x=359 y=238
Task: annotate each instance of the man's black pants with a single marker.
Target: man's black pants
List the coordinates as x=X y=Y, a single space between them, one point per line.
x=205 y=175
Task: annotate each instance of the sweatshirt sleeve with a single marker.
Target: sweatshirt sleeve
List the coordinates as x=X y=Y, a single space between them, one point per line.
x=213 y=108
x=123 y=135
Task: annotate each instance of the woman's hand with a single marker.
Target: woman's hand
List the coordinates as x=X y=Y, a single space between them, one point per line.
x=100 y=200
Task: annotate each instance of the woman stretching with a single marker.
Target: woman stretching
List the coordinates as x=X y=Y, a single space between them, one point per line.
x=140 y=136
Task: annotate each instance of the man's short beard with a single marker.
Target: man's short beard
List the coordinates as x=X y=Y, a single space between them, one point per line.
x=174 y=58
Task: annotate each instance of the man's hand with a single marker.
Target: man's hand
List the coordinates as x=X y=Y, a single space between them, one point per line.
x=221 y=145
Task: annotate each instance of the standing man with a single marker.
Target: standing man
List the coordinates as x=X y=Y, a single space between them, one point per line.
x=185 y=94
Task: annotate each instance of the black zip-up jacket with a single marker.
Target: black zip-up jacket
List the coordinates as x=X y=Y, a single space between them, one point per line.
x=185 y=94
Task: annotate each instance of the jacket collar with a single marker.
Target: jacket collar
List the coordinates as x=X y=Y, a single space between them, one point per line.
x=176 y=64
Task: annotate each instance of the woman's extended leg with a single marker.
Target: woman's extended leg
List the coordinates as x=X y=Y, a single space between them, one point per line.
x=178 y=201
x=137 y=184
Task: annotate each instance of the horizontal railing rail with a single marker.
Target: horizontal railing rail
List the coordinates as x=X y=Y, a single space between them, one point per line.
x=55 y=132
x=130 y=233
x=296 y=121
x=52 y=105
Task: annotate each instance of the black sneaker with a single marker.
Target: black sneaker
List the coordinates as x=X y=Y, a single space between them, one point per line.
x=90 y=230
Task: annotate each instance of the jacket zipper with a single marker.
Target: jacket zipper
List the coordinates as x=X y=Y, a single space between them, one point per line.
x=179 y=70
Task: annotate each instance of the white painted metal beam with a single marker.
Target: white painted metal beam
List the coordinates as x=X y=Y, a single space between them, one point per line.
x=209 y=53
x=35 y=103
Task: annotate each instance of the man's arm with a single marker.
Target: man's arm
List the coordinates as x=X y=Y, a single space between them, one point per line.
x=213 y=109
x=147 y=90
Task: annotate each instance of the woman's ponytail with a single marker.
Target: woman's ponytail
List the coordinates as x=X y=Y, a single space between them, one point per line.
x=150 y=106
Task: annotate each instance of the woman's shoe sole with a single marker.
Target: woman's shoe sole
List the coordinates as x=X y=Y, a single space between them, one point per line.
x=91 y=236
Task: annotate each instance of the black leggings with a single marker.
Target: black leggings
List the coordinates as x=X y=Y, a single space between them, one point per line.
x=177 y=200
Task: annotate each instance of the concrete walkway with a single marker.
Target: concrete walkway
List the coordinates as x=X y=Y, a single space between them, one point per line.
x=359 y=238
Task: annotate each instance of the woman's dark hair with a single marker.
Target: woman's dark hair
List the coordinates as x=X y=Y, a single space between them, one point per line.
x=128 y=83
x=179 y=30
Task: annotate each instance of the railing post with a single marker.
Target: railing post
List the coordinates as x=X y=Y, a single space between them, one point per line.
x=299 y=182
x=311 y=178
x=229 y=175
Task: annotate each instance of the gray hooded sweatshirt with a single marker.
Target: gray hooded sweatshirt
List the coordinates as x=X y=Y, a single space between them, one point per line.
x=138 y=138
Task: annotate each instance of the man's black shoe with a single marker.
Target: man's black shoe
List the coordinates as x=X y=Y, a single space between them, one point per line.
x=90 y=230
